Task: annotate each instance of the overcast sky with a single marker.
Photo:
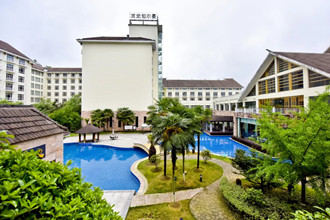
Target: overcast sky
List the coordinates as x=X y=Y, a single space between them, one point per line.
x=209 y=39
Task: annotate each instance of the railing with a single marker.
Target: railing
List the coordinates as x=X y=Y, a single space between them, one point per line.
x=258 y=110
x=10 y=79
x=9 y=88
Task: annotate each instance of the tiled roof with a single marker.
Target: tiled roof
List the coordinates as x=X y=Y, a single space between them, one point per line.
x=115 y=39
x=226 y=83
x=88 y=129
x=319 y=61
x=37 y=66
x=7 y=47
x=27 y=123
x=64 y=69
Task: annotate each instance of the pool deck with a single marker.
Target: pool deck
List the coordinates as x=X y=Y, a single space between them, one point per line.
x=121 y=199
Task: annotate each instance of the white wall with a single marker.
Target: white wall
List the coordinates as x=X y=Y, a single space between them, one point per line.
x=117 y=75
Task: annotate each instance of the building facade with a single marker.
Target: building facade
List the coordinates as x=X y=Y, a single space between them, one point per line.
x=200 y=92
x=285 y=80
x=122 y=71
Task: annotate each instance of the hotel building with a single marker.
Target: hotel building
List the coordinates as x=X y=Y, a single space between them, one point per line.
x=123 y=71
x=286 y=80
x=200 y=92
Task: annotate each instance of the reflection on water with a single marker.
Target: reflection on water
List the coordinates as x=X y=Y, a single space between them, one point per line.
x=104 y=166
x=221 y=145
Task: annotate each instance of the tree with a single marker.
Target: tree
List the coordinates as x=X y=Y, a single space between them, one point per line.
x=300 y=142
x=206 y=154
x=4 y=142
x=108 y=114
x=31 y=188
x=6 y=102
x=46 y=106
x=126 y=116
x=67 y=118
x=202 y=116
x=152 y=149
x=155 y=160
x=98 y=118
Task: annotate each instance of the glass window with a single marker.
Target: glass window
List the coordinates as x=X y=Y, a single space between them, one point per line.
x=215 y=94
x=73 y=75
x=32 y=99
x=49 y=81
x=56 y=93
x=72 y=93
x=177 y=94
x=21 y=61
x=192 y=93
x=37 y=86
x=57 y=81
x=80 y=80
x=64 y=81
x=49 y=87
x=57 y=75
x=21 y=88
x=21 y=79
x=207 y=94
x=64 y=87
x=32 y=92
x=65 y=74
x=316 y=79
x=20 y=97
x=169 y=94
x=80 y=87
x=200 y=94
x=56 y=87
x=64 y=93
x=230 y=93
x=10 y=57
x=10 y=67
x=49 y=74
x=184 y=94
x=32 y=78
x=49 y=94
x=32 y=85
x=73 y=87
x=73 y=80
x=223 y=94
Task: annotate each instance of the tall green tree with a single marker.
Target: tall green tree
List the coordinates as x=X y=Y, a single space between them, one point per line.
x=300 y=142
x=46 y=106
x=126 y=116
x=108 y=114
x=98 y=118
x=201 y=116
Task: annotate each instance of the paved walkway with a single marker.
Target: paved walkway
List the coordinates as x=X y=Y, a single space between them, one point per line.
x=121 y=199
x=206 y=205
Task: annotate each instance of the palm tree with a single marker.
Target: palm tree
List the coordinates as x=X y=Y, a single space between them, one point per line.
x=98 y=118
x=201 y=116
x=107 y=113
x=152 y=149
x=126 y=116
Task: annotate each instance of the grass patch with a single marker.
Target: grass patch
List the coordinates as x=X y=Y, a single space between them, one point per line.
x=164 y=211
x=158 y=184
x=225 y=159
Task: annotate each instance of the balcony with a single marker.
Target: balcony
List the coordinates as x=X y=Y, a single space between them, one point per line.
x=285 y=111
x=10 y=79
x=8 y=88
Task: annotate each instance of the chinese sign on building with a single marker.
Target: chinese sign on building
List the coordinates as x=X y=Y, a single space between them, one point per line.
x=143 y=16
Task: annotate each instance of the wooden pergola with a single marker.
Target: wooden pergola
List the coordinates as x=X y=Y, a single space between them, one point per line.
x=89 y=129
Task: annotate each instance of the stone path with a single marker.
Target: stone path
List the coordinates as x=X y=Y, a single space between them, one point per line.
x=121 y=199
x=206 y=205
x=157 y=198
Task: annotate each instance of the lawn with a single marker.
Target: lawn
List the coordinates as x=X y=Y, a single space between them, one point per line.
x=225 y=159
x=158 y=184
x=164 y=211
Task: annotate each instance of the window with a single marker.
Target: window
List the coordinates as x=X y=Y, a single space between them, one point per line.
x=57 y=87
x=267 y=86
x=80 y=81
x=184 y=94
x=207 y=106
x=119 y=124
x=64 y=100
x=200 y=94
x=169 y=94
x=270 y=70
x=316 y=79
x=32 y=85
x=57 y=75
x=207 y=94
x=283 y=83
x=192 y=93
x=192 y=98
x=136 y=121
x=20 y=97
x=80 y=75
x=37 y=100
x=21 y=79
x=177 y=94
x=73 y=80
x=230 y=93
x=282 y=65
x=56 y=100
x=10 y=77
x=49 y=87
x=32 y=78
x=64 y=81
x=72 y=93
x=73 y=87
x=32 y=99
x=49 y=94
x=297 y=80
x=145 y=119
x=10 y=58
x=291 y=81
x=49 y=74
x=215 y=94
x=208 y=89
x=32 y=92
x=37 y=86
x=37 y=93
x=80 y=87
x=65 y=74
x=57 y=81
x=64 y=94
x=21 y=61
x=21 y=88
x=10 y=67
x=223 y=94
x=9 y=96
x=73 y=75
x=56 y=93
x=64 y=87
x=49 y=81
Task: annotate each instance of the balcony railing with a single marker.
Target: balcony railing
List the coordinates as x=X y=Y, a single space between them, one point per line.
x=10 y=79
x=258 y=110
x=9 y=88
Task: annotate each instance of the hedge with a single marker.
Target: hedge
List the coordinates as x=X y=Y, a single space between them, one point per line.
x=241 y=202
x=31 y=188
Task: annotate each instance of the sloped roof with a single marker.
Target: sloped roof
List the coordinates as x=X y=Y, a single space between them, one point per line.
x=88 y=129
x=319 y=61
x=7 y=47
x=104 y=38
x=37 y=66
x=226 y=83
x=64 y=69
x=27 y=123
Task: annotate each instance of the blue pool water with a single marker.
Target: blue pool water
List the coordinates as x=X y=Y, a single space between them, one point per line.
x=221 y=145
x=104 y=166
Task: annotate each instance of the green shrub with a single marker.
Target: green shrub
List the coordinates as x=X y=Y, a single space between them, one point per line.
x=319 y=215
x=31 y=188
x=254 y=196
x=252 y=204
x=206 y=154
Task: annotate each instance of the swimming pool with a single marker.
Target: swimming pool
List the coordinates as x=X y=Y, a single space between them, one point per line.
x=104 y=166
x=221 y=145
